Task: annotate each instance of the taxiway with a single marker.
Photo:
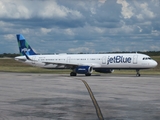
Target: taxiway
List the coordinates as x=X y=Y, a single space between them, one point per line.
x=52 y=96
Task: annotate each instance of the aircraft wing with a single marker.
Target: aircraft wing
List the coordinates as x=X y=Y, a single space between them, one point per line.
x=59 y=63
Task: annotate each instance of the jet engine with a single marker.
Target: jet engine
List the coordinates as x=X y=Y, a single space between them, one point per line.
x=83 y=70
x=104 y=70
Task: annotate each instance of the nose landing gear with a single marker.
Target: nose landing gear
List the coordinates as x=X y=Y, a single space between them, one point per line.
x=138 y=74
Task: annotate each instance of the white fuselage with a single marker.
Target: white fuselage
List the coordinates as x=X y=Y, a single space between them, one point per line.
x=112 y=61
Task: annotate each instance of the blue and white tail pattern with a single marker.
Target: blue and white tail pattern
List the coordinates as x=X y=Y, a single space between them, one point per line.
x=24 y=47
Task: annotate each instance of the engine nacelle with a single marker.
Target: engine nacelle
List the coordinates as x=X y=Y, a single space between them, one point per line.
x=104 y=70
x=83 y=69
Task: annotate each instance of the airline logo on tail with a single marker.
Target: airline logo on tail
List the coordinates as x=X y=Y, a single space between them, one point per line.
x=24 y=47
x=25 y=50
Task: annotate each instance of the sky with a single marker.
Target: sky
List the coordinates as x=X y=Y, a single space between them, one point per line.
x=74 y=26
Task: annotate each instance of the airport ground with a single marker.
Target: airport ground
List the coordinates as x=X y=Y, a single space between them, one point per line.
x=28 y=96
x=32 y=93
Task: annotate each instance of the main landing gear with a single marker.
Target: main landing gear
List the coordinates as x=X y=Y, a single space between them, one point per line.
x=138 y=74
x=75 y=74
x=88 y=74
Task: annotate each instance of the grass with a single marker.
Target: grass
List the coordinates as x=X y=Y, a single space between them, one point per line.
x=10 y=65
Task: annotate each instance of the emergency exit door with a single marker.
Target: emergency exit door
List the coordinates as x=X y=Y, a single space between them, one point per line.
x=104 y=60
x=135 y=58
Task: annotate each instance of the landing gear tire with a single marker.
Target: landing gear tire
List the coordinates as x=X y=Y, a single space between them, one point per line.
x=88 y=74
x=73 y=74
x=138 y=75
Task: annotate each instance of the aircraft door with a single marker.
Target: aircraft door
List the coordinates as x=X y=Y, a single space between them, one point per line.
x=104 y=60
x=68 y=59
x=135 y=57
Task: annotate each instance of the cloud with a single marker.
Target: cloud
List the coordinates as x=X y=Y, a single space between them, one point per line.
x=9 y=37
x=44 y=9
x=102 y=1
x=81 y=26
x=140 y=29
x=99 y=30
x=144 y=11
x=53 y=10
x=81 y=49
x=26 y=31
x=13 y=10
x=69 y=32
x=155 y=32
x=154 y=48
x=45 y=30
x=90 y=44
x=126 y=9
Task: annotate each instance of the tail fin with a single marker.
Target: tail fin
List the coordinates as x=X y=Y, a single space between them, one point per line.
x=24 y=47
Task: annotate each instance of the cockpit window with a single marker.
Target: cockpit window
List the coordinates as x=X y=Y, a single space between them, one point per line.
x=147 y=58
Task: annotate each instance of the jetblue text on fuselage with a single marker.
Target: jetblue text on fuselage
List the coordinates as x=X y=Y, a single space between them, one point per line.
x=118 y=59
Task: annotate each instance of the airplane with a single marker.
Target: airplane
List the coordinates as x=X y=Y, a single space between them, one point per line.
x=84 y=63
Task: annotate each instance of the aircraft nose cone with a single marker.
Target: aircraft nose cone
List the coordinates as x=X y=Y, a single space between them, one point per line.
x=154 y=63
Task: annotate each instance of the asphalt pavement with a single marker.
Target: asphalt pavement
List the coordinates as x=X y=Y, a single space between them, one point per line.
x=25 y=96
